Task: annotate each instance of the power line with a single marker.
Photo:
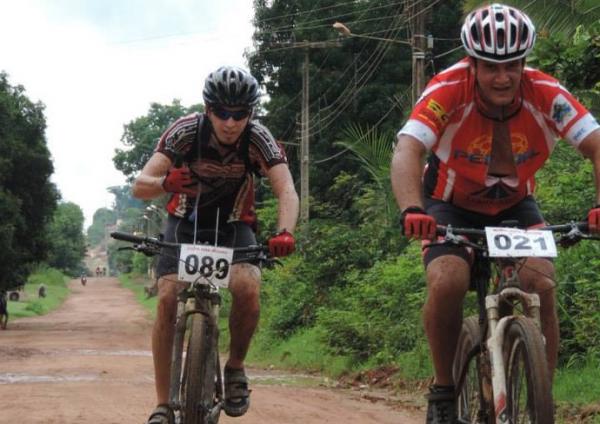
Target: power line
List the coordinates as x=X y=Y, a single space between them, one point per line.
x=304 y=12
x=364 y=135
x=344 y=98
x=325 y=20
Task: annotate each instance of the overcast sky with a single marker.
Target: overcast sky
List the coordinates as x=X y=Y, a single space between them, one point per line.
x=98 y=64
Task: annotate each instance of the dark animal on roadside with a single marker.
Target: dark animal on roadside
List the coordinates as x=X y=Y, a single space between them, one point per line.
x=3 y=311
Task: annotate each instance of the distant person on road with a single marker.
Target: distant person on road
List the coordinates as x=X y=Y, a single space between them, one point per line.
x=83 y=279
x=98 y=271
x=207 y=163
x=104 y=271
x=3 y=310
x=487 y=125
x=42 y=290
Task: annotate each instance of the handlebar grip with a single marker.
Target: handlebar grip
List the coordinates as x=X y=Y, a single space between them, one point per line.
x=127 y=237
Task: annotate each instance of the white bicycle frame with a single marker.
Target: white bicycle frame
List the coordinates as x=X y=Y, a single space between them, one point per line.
x=496 y=332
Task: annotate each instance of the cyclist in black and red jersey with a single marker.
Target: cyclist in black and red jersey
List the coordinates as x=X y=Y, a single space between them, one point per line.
x=488 y=123
x=208 y=162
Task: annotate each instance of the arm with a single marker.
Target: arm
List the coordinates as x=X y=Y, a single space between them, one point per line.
x=287 y=199
x=590 y=148
x=407 y=171
x=149 y=184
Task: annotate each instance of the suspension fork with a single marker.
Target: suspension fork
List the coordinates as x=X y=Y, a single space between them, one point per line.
x=497 y=328
x=177 y=352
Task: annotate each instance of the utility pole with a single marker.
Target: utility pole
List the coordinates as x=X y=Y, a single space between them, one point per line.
x=305 y=124
x=419 y=45
x=304 y=144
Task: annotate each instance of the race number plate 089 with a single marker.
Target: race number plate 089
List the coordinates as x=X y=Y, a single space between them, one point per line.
x=210 y=262
x=517 y=243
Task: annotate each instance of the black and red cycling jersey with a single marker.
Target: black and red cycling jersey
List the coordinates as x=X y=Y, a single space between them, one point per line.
x=226 y=173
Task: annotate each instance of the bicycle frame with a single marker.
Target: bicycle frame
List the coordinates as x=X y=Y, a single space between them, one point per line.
x=508 y=292
x=494 y=318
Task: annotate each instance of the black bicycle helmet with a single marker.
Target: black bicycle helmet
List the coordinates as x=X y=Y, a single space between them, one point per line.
x=231 y=86
x=498 y=33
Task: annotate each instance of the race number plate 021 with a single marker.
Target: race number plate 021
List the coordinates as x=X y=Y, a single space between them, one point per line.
x=210 y=262
x=517 y=243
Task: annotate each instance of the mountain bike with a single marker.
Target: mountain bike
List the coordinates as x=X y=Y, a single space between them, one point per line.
x=504 y=377
x=196 y=392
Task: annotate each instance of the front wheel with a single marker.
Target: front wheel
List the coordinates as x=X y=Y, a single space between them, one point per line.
x=199 y=374
x=528 y=383
x=467 y=372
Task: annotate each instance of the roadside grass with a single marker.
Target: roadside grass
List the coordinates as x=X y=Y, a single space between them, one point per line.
x=576 y=389
x=136 y=283
x=303 y=350
x=30 y=304
x=577 y=392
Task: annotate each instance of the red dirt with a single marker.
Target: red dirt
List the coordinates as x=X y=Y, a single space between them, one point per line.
x=90 y=362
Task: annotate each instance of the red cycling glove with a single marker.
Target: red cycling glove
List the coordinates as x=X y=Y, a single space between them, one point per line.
x=282 y=244
x=181 y=180
x=594 y=219
x=417 y=224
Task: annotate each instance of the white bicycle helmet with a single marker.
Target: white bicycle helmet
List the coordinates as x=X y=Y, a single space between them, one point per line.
x=231 y=86
x=498 y=33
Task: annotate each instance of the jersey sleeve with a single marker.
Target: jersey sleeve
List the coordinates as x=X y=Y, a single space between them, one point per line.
x=430 y=115
x=264 y=151
x=179 y=138
x=571 y=119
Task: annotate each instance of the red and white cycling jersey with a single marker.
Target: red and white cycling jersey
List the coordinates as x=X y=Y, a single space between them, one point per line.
x=447 y=120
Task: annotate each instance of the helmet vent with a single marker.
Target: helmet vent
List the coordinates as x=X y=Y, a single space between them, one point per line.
x=500 y=41
x=231 y=86
x=487 y=35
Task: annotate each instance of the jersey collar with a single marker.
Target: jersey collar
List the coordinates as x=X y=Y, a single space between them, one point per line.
x=499 y=113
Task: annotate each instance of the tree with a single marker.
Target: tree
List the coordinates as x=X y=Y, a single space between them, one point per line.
x=142 y=134
x=357 y=82
x=66 y=239
x=27 y=197
x=552 y=16
x=102 y=218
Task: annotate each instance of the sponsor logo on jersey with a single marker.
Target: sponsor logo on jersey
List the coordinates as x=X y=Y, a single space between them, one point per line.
x=479 y=150
x=438 y=111
x=563 y=112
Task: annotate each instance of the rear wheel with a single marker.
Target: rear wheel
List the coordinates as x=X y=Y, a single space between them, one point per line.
x=199 y=374
x=469 y=390
x=528 y=384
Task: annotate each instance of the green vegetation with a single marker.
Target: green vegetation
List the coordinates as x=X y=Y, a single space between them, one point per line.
x=136 y=283
x=351 y=298
x=30 y=304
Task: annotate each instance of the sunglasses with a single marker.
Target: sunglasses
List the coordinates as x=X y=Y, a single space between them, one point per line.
x=224 y=114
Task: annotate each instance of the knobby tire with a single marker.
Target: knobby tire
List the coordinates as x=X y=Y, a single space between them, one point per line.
x=199 y=373
x=469 y=392
x=528 y=383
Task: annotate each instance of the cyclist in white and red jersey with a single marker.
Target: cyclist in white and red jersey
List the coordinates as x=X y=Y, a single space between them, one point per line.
x=488 y=124
x=208 y=162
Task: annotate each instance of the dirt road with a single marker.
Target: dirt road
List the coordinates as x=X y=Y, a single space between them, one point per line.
x=90 y=362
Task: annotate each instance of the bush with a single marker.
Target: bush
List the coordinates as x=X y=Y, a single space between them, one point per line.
x=378 y=314
x=578 y=275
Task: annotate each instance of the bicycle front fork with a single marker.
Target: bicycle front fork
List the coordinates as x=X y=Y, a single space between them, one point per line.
x=497 y=334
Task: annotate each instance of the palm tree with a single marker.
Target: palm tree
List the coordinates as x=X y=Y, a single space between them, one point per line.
x=552 y=16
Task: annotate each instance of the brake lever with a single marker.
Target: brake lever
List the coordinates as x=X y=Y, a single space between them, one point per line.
x=126 y=248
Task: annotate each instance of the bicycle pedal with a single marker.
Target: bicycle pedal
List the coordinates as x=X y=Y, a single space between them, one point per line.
x=213 y=415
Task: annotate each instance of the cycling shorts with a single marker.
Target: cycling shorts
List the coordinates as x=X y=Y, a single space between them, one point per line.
x=181 y=230
x=526 y=213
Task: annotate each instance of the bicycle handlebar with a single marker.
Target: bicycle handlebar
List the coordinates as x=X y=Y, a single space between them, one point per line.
x=150 y=245
x=442 y=230
x=571 y=233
